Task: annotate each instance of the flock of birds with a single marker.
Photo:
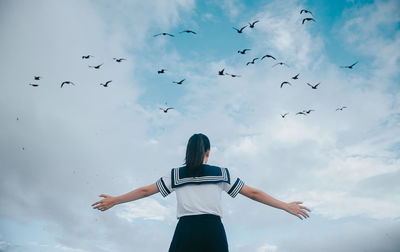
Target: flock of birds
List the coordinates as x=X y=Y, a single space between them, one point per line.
x=222 y=72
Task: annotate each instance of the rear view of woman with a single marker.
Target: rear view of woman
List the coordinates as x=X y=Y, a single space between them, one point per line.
x=198 y=188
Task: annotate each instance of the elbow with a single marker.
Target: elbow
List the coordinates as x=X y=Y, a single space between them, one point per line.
x=144 y=191
x=254 y=194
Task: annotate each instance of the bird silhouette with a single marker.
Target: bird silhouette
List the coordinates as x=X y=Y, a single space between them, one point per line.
x=188 y=31
x=87 y=56
x=243 y=51
x=240 y=30
x=106 y=84
x=119 y=59
x=341 y=108
x=34 y=84
x=164 y=34
x=67 y=82
x=268 y=56
x=308 y=111
x=97 y=67
x=166 y=109
x=285 y=82
x=313 y=87
x=221 y=72
x=351 y=66
x=234 y=75
x=161 y=71
x=251 y=25
x=306 y=11
x=251 y=62
x=283 y=116
x=295 y=77
x=301 y=113
x=179 y=82
x=280 y=63
x=308 y=19
x=37 y=77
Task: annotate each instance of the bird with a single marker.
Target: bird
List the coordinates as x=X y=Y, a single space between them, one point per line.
x=285 y=82
x=37 y=77
x=240 y=30
x=283 y=116
x=166 y=109
x=308 y=111
x=106 y=84
x=34 y=84
x=341 y=108
x=301 y=113
x=97 y=67
x=161 y=71
x=313 y=87
x=188 y=31
x=179 y=82
x=17 y=118
x=280 y=63
x=67 y=82
x=221 y=72
x=243 y=51
x=234 y=75
x=87 y=56
x=295 y=77
x=251 y=25
x=164 y=34
x=306 y=11
x=268 y=56
x=308 y=19
x=351 y=66
x=251 y=62
x=119 y=59
x=23 y=148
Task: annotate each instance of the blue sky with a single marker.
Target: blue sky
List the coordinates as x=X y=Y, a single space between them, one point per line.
x=84 y=140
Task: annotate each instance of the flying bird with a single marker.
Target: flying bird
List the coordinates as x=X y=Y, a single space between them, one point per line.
x=221 y=72
x=161 y=71
x=295 y=77
x=243 y=51
x=301 y=113
x=306 y=11
x=166 y=109
x=96 y=67
x=308 y=19
x=251 y=25
x=280 y=63
x=268 y=56
x=283 y=116
x=341 y=108
x=87 y=56
x=240 y=30
x=67 y=82
x=234 y=75
x=164 y=34
x=313 y=87
x=34 y=84
x=351 y=66
x=119 y=59
x=106 y=84
x=308 y=111
x=37 y=77
x=251 y=62
x=188 y=31
x=179 y=82
x=285 y=82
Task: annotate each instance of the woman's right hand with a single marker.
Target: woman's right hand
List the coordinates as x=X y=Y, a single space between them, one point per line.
x=105 y=203
x=297 y=209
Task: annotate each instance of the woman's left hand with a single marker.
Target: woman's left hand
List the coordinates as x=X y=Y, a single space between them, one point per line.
x=105 y=203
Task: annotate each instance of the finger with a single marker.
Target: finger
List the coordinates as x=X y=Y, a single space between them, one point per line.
x=98 y=202
x=305 y=213
x=298 y=202
x=299 y=216
x=306 y=208
x=103 y=195
x=302 y=213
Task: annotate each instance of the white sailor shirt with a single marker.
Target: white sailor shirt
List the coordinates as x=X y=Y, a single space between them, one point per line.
x=200 y=194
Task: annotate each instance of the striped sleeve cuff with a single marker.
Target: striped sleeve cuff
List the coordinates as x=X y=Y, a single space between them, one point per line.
x=235 y=189
x=162 y=188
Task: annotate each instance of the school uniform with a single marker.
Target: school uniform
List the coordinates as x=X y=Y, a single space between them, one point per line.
x=199 y=210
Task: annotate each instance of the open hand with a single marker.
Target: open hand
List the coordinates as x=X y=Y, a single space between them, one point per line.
x=105 y=203
x=297 y=209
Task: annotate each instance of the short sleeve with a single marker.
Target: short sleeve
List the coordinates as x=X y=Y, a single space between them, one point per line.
x=234 y=187
x=164 y=185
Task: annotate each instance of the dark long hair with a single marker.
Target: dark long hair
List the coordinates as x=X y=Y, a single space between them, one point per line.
x=196 y=149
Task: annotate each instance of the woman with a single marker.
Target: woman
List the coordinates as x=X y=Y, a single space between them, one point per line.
x=198 y=188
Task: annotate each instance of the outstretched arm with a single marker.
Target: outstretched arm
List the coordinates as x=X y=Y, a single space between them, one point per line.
x=294 y=208
x=110 y=201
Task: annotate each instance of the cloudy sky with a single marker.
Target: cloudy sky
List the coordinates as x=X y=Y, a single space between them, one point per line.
x=62 y=147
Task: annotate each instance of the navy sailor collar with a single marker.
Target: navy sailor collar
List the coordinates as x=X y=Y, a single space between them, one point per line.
x=208 y=174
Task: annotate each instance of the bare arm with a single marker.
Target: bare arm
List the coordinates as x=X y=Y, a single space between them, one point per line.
x=294 y=208
x=110 y=201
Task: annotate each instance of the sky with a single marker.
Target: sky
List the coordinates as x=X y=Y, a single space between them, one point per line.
x=60 y=148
